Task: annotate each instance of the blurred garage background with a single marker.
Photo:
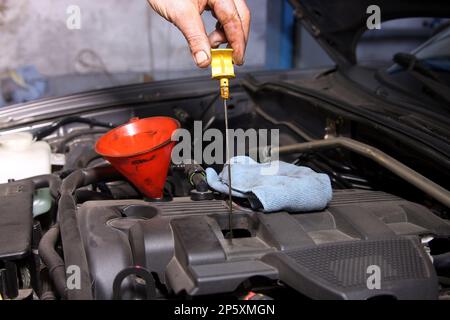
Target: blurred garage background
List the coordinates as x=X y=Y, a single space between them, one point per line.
x=122 y=42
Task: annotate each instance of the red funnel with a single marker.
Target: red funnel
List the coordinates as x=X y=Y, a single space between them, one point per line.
x=141 y=151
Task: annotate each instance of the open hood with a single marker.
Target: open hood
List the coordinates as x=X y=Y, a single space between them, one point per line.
x=338 y=25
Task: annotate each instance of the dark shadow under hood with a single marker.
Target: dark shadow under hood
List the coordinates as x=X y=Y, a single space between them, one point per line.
x=338 y=25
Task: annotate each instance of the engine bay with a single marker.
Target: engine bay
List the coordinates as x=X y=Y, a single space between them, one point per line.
x=98 y=237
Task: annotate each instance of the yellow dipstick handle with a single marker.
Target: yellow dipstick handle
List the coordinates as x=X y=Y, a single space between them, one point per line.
x=222 y=69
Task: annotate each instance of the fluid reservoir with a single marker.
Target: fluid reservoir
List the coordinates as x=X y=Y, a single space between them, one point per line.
x=21 y=157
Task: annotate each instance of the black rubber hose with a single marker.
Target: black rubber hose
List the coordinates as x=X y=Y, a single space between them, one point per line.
x=42 y=133
x=54 y=263
x=74 y=253
x=197 y=177
x=86 y=158
x=77 y=134
x=87 y=195
x=46 y=287
x=442 y=264
x=50 y=181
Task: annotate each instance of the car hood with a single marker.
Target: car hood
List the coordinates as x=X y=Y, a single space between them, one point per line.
x=338 y=25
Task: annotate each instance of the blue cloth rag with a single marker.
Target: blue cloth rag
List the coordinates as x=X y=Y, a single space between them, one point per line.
x=274 y=186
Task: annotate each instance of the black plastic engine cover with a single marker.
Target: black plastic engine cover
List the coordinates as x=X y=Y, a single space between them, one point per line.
x=324 y=255
x=16 y=219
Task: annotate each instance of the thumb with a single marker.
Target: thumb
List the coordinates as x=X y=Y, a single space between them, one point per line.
x=193 y=29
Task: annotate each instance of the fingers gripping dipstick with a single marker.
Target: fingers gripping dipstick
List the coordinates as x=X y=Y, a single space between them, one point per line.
x=223 y=70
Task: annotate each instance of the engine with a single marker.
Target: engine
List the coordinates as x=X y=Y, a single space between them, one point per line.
x=86 y=232
x=323 y=255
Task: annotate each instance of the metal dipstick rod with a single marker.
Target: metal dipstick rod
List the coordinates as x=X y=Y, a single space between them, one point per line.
x=222 y=69
x=228 y=155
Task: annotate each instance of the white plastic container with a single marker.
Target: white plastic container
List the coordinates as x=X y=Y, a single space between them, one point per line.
x=21 y=157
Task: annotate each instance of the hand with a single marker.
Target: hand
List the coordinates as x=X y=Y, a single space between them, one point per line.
x=233 y=25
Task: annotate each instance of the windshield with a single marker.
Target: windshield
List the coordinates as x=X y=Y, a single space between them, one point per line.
x=423 y=72
x=435 y=52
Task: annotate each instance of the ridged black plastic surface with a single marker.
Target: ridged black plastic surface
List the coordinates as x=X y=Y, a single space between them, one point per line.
x=346 y=265
x=16 y=219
